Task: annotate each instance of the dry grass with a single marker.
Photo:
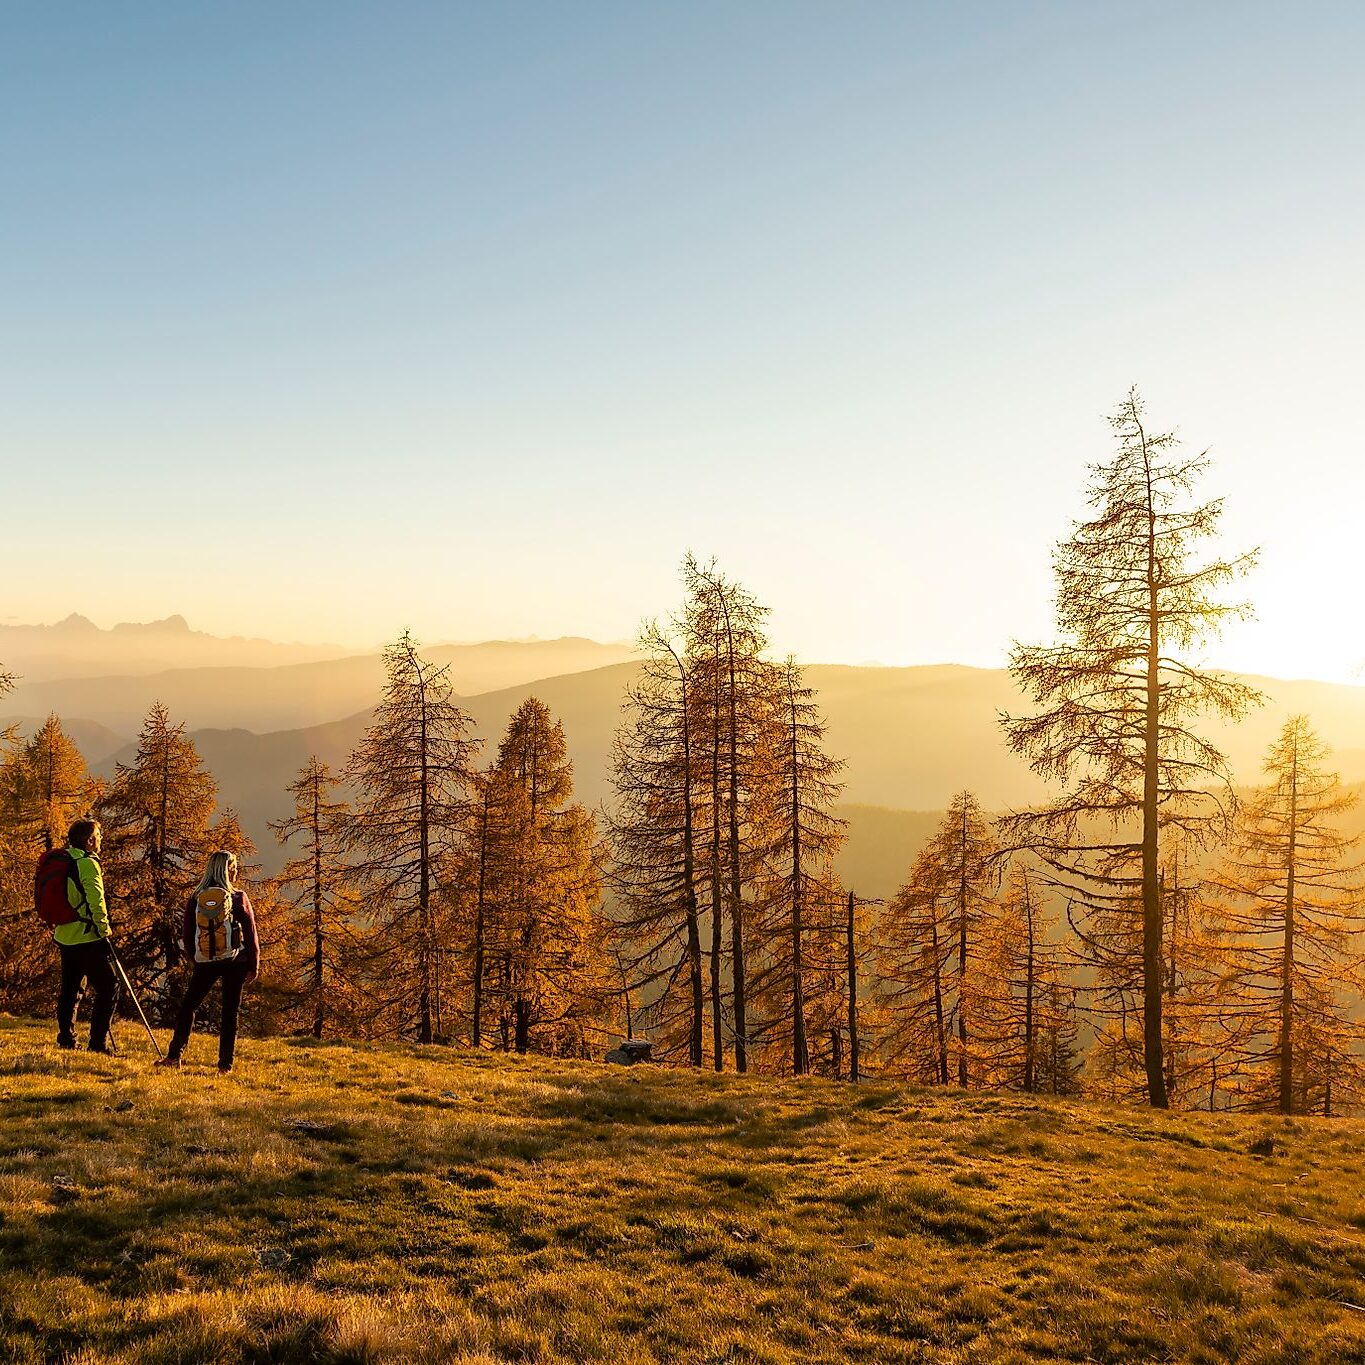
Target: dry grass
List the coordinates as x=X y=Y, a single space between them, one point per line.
x=351 y=1204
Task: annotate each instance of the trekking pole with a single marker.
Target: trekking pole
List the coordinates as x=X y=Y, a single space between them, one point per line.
x=132 y=994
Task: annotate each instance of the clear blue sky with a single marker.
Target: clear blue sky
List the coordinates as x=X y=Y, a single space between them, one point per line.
x=337 y=318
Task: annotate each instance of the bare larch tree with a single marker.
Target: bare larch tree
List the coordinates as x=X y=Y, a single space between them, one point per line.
x=655 y=774
x=318 y=901
x=1120 y=693
x=1295 y=905
x=412 y=774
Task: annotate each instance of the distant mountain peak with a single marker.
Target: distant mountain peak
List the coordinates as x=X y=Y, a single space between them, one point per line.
x=169 y=625
x=76 y=624
x=77 y=647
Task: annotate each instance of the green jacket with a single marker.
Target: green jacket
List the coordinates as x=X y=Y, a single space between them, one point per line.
x=94 y=922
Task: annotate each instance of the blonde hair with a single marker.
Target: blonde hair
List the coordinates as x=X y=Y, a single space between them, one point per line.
x=218 y=872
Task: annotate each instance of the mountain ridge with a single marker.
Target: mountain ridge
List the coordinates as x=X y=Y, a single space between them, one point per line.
x=292 y=694
x=912 y=738
x=76 y=646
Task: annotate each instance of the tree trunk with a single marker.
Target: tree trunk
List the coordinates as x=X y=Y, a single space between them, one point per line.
x=962 y=901
x=694 y=1033
x=476 y=1023
x=717 y=928
x=424 y=1030
x=1151 y=892
x=694 y=971
x=318 y=1002
x=160 y=880
x=852 y=993
x=1286 y=1040
x=1029 y=1081
x=940 y=1029
x=737 y=965
x=800 y=1054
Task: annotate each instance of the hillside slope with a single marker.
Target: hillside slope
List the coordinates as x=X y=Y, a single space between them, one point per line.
x=343 y=1203
x=98 y=744
x=253 y=771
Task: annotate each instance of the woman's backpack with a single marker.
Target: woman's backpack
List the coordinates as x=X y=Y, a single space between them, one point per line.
x=217 y=937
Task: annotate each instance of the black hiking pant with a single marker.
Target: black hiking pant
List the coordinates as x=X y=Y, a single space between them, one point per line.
x=82 y=962
x=233 y=975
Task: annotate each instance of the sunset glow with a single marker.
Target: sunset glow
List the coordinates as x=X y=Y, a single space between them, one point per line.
x=437 y=341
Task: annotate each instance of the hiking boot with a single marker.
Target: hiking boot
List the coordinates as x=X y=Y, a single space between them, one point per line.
x=102 y=1051
x=168 y=1061
x=224 y=1068
x=66 y=1042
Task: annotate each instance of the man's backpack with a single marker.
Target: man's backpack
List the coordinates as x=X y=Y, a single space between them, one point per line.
x=50 y=900
x=217 y=937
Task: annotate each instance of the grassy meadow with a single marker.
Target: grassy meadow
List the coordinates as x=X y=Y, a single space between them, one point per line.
x=351 y=1203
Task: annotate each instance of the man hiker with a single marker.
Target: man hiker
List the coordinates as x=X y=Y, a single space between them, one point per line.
x=82 y=941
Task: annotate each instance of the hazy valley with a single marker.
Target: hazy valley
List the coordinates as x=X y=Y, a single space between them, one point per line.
x=911 y=737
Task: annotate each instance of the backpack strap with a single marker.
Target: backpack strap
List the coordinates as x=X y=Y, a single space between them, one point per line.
x=83 y=911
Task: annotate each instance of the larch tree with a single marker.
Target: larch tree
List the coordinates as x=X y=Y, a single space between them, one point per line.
x=1194 y=1027
x=849 y=1034
x=226 y=832
x=1057 y=1058
x=1329 y=1075
x=551 y=935
x=7 y=681
x=1121 y=692
x=831 y=1030
x=44 y=785
x=22 y=979
x=963 y=854
x=838 y=949
x=412 y=775
x=1199 y=1056
x=654 y=827
x=506 y=868
x=799 y=912
x=496 y=814
x=315 y=897
x=1295 y=907
x=914 y=977
x=16 y=956
x=931 y=981
x=156 y=816
x=1022 y=981
x=724 y=625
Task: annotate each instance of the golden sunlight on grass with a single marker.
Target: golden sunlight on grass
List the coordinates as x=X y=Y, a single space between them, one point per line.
x=351 y=1203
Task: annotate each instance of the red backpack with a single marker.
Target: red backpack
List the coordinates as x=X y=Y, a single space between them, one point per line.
x=55 y=868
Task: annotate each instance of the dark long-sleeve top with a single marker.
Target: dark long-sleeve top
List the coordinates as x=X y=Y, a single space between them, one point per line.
x=250 y=956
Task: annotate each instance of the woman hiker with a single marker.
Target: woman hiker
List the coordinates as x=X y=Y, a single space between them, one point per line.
x=220 y=937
